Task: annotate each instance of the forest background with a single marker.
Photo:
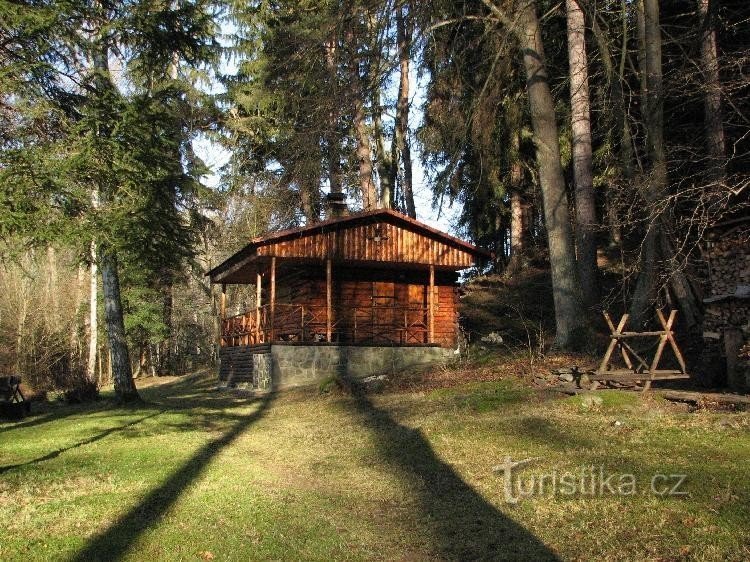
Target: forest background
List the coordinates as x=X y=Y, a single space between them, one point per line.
x=568 y=136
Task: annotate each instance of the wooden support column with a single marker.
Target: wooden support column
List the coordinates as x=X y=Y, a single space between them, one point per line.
x=273 y=297
x=431 y=307
x=223 y=301
x=258 y=304
x=329 y=300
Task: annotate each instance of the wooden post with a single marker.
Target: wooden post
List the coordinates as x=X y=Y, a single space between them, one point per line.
x=273 y=296
x=732 y=344
x=223 y=301
x=329 y=299
x=431 y=307
x=258 y=334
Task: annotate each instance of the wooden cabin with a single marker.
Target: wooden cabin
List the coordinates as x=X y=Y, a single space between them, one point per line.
x=374 y=286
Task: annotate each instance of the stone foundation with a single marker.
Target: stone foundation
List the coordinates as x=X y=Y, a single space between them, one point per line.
x=284 y=365
x=262 y=371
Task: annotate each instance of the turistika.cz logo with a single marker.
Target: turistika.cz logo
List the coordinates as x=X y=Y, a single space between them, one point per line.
x=584 y=481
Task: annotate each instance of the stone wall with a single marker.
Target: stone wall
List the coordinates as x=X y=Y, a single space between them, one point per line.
x=295 y=365
x=245 y=364
x=284 y=365
x=262 y=371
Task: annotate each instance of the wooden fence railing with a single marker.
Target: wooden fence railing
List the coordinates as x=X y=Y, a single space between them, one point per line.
x=391 y=324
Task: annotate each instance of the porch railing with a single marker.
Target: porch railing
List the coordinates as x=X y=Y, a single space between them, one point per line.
x=390 y=324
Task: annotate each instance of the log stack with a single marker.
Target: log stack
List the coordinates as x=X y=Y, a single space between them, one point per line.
x=726 y=325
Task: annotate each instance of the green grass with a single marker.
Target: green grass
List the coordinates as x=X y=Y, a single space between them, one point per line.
x=200 y=474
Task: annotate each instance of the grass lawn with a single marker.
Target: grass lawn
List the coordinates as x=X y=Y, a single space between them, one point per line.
x=197 y=473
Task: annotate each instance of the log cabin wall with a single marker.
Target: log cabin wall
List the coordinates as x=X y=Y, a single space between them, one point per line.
x=356 y=290
x=378 y=241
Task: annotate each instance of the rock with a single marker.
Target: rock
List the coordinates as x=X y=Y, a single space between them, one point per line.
x=584 y=379
x=493 y=337
x=567 y=377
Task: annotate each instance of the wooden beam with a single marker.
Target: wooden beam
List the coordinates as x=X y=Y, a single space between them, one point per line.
x=258 y=304
x=329 y=299
x=431 y=307
x=273 y=296
x=233 y=269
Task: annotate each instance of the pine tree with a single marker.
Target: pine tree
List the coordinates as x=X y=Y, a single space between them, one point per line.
x=125 y=135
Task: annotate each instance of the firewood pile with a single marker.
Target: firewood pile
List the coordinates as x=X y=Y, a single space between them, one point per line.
x=730 y=264
x=723 y=314
x=726 y=324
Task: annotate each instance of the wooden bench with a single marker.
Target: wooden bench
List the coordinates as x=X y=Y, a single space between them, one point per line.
x=13 y=405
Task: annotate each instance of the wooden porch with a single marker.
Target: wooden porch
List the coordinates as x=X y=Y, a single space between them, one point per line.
x=376 y=324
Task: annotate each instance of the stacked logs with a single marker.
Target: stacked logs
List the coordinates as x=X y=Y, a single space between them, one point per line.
x=726 y=325
x=729 y=257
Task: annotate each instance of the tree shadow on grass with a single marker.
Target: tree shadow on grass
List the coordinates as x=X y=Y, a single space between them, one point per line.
x=187 y=393
x=54 y=412
x=56 y=453
x=114 y=542
x=463 y=525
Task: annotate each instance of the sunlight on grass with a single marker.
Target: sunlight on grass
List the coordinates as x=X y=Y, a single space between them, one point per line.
x=196 y=473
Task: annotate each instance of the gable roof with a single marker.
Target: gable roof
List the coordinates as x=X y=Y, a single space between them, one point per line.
x=347 y=239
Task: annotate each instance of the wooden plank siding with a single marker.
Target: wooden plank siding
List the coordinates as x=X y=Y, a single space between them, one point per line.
x=377 y=242
x=359 y=288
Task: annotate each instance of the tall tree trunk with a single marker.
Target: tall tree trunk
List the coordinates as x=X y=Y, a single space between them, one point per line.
x=364 y=157
x=122 y=373
x=75 y=327
x=517 y=242
x=113 y=316
x=565 y=288
x=167 y=365
x=53 y=295
x=518 y=215
x=385 y=161
x=360 y=83
x=712 y=98
x=332 y=140
x=93 y=318
x=586 y=222
x=401 y=126
x=646 y=288
x=310 y=196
